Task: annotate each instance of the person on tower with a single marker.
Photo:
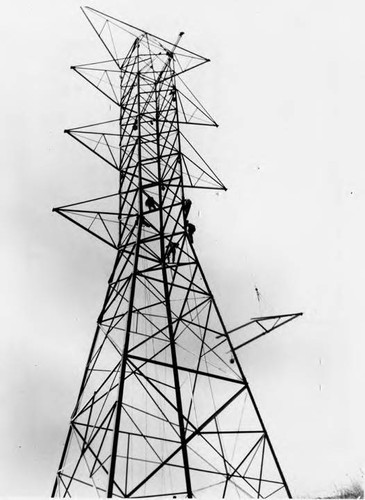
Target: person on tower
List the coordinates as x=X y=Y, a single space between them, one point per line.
x=144 y=221
x=190 y=228
x=171 y=251
x=173 y=93
x=151 y=203
x=186 y=206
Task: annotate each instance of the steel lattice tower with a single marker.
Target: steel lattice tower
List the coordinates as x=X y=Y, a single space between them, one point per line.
x=164 y=407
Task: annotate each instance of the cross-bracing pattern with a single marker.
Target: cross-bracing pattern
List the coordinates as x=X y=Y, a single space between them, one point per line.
x=164 y=408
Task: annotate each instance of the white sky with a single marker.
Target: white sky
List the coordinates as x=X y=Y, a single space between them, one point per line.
x=286 y=84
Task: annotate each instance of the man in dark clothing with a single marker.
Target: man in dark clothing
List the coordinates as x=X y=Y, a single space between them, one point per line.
x=151 y=203
x=144 y=221
x=171 y=251
x=186 y=207
x=190 y=230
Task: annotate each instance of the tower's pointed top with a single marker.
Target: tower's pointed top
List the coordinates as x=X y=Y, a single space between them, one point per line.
x=117 y=36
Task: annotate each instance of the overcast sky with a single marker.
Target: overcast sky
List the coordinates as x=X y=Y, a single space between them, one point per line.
x=286 y=85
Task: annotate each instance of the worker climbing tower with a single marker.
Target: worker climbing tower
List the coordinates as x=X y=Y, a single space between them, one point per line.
x=164 y=408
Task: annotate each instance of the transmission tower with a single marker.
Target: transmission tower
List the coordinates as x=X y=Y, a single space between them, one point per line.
x=164 y=408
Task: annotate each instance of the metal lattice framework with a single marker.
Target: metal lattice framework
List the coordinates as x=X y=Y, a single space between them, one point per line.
x=164 y=407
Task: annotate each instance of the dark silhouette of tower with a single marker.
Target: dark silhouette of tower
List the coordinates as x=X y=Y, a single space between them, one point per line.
x=164 y=408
